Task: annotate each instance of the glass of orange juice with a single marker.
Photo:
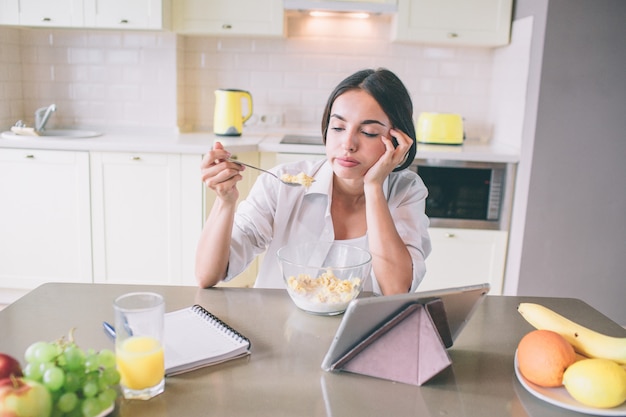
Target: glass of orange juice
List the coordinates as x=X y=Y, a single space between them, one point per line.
x=139 y=344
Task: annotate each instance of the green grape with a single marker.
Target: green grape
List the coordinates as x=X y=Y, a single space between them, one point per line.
x=107 y=398
x=82 y=383
x=110 y=376
x=91 y=407
x=32 y=371
x=73 y=381
x=106 y=358
x=45 y=352
x=53 y=378
x=29 y=355
x=67 y=402
x=91 y=389
x=44 y=366
x=91 y=362
x=74 y=357
x=77 y=411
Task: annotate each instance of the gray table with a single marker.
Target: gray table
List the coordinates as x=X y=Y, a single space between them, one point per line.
x=282 y=377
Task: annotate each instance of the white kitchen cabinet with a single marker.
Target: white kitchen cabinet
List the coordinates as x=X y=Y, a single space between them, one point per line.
x=9 y=12
x=485 y=23
x=105 y=14
x=142 y=217
x=464 y=257
x=192 y=214
x=127 y=14
x=50 y=13
x=229 y=17
x=45 y=224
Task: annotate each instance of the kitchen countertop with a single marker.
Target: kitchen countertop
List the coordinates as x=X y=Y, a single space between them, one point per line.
x=200 y=142
x=282 y=376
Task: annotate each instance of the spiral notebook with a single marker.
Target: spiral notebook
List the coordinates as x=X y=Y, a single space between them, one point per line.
x=195 y=338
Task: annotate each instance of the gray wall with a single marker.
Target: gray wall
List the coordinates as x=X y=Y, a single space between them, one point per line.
x=575 y=232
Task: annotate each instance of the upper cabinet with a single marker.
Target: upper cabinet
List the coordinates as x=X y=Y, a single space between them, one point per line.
x=229 y=17
x=46 y=13
x=127 y=14
x=485 y=23
x=106 y=14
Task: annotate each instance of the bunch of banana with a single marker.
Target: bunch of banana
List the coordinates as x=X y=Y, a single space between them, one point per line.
x=585 y=341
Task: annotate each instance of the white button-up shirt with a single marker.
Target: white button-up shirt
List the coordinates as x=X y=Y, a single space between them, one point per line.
x=275 y=214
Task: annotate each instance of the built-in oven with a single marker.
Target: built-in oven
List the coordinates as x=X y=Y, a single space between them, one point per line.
x=467 y=194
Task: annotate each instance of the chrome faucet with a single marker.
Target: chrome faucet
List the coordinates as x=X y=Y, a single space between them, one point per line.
x=42 y=115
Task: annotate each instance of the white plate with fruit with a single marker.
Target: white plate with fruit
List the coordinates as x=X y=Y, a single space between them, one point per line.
x=561 y=398
x=571 y=366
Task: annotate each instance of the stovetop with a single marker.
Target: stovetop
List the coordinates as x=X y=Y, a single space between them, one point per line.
x=302 y=140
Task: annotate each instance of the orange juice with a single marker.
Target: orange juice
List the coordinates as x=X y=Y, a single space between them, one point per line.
x=140 y=362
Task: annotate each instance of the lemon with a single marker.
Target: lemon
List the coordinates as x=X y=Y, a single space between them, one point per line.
x=597 y=383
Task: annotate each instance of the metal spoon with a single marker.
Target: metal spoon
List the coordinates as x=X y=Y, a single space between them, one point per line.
x=293 y=184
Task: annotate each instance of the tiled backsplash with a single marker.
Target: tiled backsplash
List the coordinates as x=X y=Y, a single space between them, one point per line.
x=96 y=78
x=113 y=79
x=11 y=101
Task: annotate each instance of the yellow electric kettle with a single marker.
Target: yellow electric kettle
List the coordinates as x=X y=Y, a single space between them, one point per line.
x=228 y=119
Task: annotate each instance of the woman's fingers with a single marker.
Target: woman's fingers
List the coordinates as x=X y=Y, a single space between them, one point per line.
x=404 y=144
x=219 y=174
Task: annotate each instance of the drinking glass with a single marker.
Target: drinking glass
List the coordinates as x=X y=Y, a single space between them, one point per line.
x=139 y=344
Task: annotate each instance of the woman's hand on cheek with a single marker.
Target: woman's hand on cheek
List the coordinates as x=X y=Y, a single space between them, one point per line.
x=391 y=158
x=404 y=145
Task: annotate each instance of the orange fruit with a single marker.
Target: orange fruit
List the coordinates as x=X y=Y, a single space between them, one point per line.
x=543 y=356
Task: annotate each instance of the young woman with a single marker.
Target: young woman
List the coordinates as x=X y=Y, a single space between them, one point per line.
x=362 y=195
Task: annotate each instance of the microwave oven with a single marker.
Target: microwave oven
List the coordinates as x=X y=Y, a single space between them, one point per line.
x=467 y=194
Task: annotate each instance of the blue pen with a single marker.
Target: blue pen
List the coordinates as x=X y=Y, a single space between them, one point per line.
x=109 y=329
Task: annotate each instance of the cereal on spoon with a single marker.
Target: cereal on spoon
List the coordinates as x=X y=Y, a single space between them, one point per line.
x=300 y=178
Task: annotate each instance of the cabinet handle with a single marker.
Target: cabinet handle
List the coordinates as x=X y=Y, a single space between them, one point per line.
x=30 y=156
x=227 y=26
x=453 y=35
x=46 y=19
x=124 y=21
x=450 y=235
x=136 y=158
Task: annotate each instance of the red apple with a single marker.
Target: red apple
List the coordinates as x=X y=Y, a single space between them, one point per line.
x=24 y=398
x=9 y=366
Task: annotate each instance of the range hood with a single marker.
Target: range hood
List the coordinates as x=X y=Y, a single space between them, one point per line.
x=347 y=6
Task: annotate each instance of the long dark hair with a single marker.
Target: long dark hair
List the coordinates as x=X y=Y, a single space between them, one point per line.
x=391 y=95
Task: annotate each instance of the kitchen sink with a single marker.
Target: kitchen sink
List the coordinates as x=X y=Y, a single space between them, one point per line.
x=56 y=133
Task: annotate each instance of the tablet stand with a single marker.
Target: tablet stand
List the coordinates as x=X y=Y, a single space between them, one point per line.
x=408 y=348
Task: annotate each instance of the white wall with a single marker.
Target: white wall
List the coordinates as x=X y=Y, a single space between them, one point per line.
x=574 y=231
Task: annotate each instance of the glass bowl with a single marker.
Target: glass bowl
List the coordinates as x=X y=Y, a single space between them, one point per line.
x=323 y=277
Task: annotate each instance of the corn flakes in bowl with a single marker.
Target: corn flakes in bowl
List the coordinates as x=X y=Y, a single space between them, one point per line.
x=323 y=277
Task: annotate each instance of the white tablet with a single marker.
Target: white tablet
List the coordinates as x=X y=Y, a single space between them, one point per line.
x=364 y=315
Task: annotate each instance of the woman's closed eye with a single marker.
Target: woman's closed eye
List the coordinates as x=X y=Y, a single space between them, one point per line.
x=371 y=134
